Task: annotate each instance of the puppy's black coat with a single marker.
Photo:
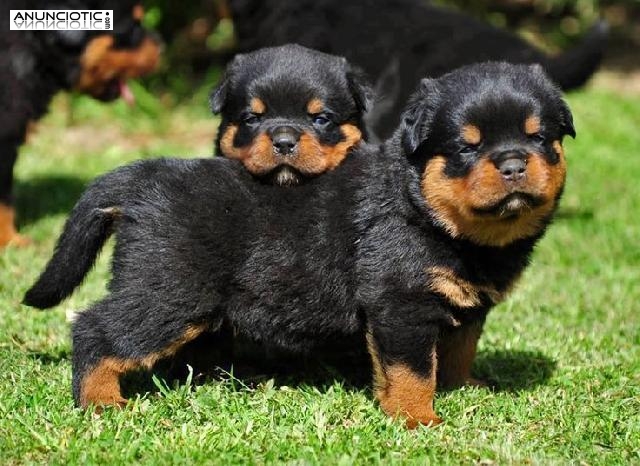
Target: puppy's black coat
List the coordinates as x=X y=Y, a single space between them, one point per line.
x=289 y=113
x=397 y=42
x=408 y=246
x=34 y=65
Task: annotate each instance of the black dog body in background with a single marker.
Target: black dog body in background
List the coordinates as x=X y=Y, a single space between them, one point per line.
x=35 y=65
x=397 y=42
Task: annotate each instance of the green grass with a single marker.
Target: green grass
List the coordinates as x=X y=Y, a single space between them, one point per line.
x=564 y=350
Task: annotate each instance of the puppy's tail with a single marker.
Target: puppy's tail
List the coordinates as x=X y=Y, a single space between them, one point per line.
x=574 y=67
x=83 y=236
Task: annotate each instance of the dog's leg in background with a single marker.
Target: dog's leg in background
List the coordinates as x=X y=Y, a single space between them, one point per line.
x=456 y=352
x=405 y=365
x=8 y=232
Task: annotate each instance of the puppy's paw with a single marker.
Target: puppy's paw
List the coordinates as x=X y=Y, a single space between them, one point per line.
x=99 y=407
x=473 y=382
x=430 y=420
x=18 y=241
x=8 y=234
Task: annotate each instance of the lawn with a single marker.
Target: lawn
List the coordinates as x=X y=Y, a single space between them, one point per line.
x=563 y=350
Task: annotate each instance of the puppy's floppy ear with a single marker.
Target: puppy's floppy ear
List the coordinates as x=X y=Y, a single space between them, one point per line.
x=416 y=120
x=566 y=121
x=359 y=87
x=566 y=118
x=218 y=96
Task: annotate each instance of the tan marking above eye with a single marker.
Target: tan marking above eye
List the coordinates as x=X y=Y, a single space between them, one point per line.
x=471 y=134
x=532 y=125
x=315 y=106
x=258 y=106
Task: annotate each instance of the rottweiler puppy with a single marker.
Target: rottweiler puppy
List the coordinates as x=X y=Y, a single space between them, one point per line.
x=402 y=249
x=290 y=113
x=35 y=65
x=397 y=42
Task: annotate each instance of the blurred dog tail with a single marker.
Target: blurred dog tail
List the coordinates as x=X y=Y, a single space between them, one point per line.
x=573 y=68
x=87 y=229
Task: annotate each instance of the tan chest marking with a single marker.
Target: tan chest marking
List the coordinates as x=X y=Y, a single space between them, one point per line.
x=459 y=292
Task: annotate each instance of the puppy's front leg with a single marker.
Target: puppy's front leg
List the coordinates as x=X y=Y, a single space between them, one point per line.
x=405 y=365
x=456 y=352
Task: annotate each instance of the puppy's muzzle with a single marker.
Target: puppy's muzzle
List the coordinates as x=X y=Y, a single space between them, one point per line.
x=285 y=140
x=512 y=165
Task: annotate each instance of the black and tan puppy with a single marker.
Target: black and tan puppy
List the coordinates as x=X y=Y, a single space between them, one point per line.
x=397 y=42
x=35 y=65
x=406 y=248
x=289 y=113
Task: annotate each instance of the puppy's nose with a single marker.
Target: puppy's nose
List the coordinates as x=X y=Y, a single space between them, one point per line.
x=513 y=169
x=285 y=140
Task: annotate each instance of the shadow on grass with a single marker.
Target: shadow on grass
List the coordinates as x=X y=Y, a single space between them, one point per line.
x=50 y=357
x=514 y=370
x=40 y=197
x=217 y=357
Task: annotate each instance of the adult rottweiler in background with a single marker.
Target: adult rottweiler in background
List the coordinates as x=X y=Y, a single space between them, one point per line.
x=402 y=249
x=289 y=113
x=397 y=42
x=34 y=65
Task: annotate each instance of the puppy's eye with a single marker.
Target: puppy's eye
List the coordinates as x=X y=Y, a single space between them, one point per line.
x=321 y=120
x=537 y=138
x=252 y=119
x=468 y=150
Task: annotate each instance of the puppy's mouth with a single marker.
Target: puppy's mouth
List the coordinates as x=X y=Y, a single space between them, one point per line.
x=116 y=88
x=511 y=206
x=285 y=175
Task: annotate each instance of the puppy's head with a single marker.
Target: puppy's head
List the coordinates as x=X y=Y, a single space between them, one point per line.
x=487 y=141
x=289 y=113
x=99 y=63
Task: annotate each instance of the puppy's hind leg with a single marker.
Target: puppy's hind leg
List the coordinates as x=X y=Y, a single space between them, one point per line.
x=96 y=369
x=106 y=346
